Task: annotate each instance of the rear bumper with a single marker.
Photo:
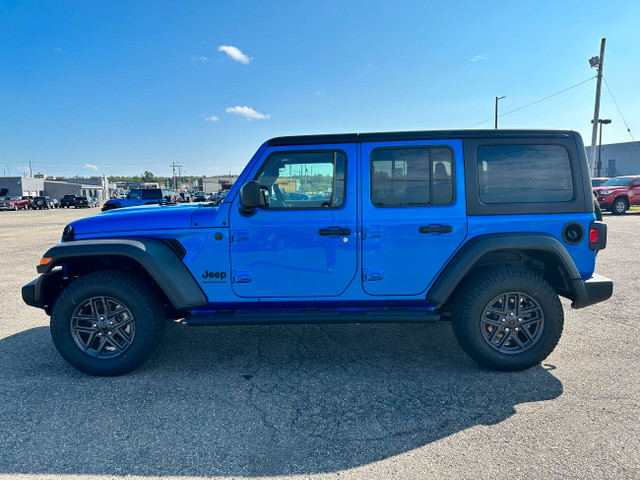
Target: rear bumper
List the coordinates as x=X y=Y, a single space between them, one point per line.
x=594 y=290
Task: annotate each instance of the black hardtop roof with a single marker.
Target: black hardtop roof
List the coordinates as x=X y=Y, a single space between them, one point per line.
x=414 y=135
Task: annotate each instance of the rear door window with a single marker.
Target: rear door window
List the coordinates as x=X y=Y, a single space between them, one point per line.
x=411 y=176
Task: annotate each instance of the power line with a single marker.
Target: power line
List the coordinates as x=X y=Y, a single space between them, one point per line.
x=616 y=104
x=533 y=103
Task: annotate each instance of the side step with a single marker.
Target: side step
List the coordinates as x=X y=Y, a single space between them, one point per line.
x=310 y=316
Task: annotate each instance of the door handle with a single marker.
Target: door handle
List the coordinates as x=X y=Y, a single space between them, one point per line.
x=436 y=229
x=335 y=231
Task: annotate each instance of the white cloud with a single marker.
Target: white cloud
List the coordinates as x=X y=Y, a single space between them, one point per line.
x=478 y=57
x=211 y=118
x=235 y=53
x=199 y=59
x=93 y=167
x=247 y=112
x=57 y=49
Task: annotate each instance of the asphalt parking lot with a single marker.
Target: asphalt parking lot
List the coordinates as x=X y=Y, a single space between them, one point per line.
x=309 y=401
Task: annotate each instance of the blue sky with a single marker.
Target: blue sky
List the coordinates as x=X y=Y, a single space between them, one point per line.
x=120 y=87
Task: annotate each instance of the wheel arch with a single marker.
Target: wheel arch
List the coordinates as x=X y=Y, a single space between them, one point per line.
x=538 y=252
x=151 y=259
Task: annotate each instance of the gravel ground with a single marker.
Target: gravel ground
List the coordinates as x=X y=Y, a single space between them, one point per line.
x=336 y=401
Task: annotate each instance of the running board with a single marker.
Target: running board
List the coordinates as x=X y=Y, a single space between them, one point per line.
x=311 y=317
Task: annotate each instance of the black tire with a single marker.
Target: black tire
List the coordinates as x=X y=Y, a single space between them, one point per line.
x=619 y=206
x=107 y=323
x=507 y=319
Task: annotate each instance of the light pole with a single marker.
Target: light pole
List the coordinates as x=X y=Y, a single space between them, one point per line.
x=496 y=117
x=596 y=62
x=601 y=121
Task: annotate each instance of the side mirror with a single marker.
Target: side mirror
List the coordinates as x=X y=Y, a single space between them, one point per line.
x=250 y=197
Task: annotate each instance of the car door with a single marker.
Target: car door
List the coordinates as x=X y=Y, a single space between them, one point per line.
x=303 y=242
x=413 y=213
x=634 y=194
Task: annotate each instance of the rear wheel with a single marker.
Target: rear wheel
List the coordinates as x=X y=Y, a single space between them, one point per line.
x=107 y=323
x=507 y=319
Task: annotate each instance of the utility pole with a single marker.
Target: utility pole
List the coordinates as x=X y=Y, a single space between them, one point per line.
x=496 y=117
x=599 y=63
x=173 y=172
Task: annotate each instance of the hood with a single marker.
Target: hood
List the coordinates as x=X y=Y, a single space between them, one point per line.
x=141 y=219
x=617 y=187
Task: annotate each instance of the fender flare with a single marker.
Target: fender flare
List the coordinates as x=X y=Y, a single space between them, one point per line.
x=465 y=259
x=158 y=259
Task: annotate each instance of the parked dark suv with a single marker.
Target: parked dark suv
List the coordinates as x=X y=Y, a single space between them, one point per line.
x=486 y=228
x=67 y=201
x=42 y=202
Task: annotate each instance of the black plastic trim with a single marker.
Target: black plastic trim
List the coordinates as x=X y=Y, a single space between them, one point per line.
x=157 y=258
x=594 y=290
x=311 y=317
x=31 y=293
x=577 y=228
x=473 y=250
x=413 y=135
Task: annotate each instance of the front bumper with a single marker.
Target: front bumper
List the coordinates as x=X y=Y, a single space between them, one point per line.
x=604 y=202
x=594 y=290
x=32 y=293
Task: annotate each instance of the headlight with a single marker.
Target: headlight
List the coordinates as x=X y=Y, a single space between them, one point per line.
x=605 y=192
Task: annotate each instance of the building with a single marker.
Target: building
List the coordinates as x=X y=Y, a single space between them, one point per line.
x=618 y=159
x=216 y=184
x=41 y=185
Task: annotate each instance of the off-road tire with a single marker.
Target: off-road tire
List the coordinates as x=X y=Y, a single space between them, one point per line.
x=141 y=313
x=474 y=319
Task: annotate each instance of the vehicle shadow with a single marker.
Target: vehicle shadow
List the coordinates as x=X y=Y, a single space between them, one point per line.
x=251 y=400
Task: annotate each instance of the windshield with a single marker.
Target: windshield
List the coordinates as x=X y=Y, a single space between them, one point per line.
x=617 y=182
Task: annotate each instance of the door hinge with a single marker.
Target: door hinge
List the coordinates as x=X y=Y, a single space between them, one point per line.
x=372 y=274
x=371 y=232
x=239 y=235
x=240 y=276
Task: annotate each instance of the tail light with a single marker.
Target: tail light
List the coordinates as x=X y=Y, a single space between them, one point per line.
x=597 y=235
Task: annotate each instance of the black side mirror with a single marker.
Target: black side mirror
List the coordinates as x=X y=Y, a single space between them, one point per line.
x=251 y=197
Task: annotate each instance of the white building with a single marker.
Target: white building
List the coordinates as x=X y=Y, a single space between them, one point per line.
x=618 y=159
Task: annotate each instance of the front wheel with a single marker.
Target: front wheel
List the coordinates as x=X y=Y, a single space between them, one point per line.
x=619 y=206
x=507 y=319
x=107 y=323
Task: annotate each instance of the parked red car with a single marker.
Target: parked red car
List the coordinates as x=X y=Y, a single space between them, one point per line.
x=619 y=193
x=14 y=203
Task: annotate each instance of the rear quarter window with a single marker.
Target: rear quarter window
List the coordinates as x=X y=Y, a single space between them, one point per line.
x=151 y=194
x=524 y=174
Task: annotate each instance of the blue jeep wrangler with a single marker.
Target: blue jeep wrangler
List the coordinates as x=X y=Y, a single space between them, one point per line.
x=135 y=198
x=486 y=228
